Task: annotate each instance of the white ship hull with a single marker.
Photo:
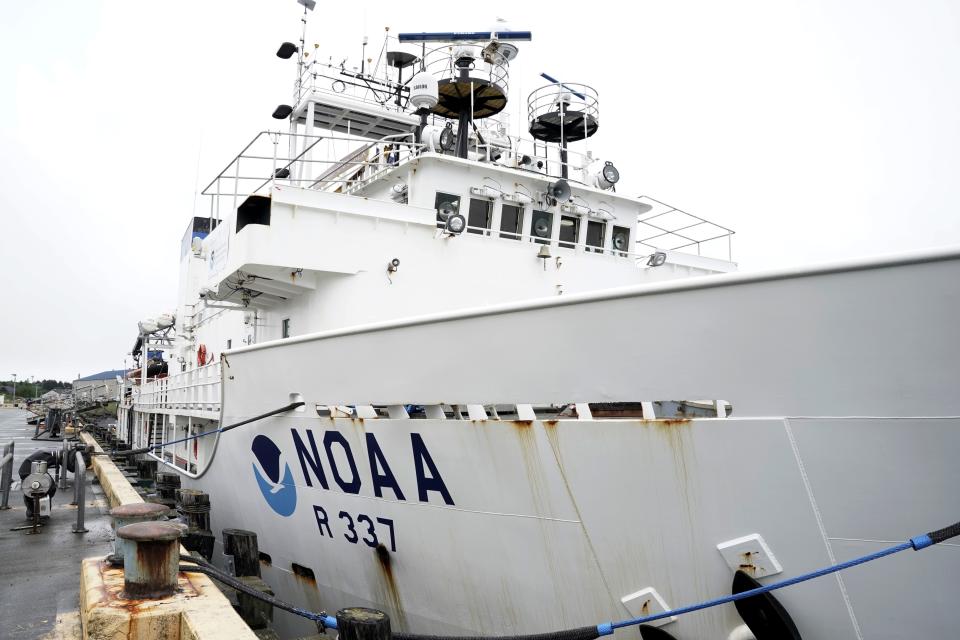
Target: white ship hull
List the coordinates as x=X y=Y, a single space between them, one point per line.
x=843 y=436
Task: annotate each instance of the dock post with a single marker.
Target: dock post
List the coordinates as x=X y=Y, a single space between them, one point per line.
x=62 y=469
x=360 y=623
x=194 y=508
x=146 y=469
x=150 y=559
x=80 y=491
x=242 y=546
x=167 y=483
x=6 y=474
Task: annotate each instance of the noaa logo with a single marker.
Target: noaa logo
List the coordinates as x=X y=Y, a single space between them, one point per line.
x=278 y=490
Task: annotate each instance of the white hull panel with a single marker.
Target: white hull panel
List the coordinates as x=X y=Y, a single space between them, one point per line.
x=553 y=524
x=543 y=525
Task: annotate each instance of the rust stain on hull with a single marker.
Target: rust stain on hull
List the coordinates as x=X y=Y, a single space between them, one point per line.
x=533 y=465
x=390 y=591
x=672 y=422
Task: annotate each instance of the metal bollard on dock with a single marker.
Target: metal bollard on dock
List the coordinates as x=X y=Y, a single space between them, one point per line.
x=151 y=556
x=127 y=514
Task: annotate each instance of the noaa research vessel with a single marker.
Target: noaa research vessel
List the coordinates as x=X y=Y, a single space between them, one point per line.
x=504 y=397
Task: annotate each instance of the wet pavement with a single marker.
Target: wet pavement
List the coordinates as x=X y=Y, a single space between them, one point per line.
x=40 y=574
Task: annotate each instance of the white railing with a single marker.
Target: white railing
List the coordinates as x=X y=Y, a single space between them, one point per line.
x=266 y=161
x=194 y=390
x=486 y=64
x=667 y=228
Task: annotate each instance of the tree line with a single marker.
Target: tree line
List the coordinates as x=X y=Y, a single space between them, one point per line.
x=33 y=389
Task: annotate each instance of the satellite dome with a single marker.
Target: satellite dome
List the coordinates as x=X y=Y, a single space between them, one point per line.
x=423 y=91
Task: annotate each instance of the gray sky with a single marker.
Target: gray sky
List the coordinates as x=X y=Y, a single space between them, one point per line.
x=817 y=130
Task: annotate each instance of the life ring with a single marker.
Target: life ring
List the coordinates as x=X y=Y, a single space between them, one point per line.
x=202 y=355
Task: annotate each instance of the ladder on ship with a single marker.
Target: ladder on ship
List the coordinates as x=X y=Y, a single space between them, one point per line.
x=155 y=434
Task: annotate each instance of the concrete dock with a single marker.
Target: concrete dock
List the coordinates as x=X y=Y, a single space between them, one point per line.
x=39 y=574
x=57 y=584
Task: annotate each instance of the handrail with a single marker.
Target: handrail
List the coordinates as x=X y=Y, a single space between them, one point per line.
x=685 y=223
x=263 y=167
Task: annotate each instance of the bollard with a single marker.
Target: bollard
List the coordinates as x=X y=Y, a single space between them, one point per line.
x=360 y=623
x=242 y=546
x=127 y=514
x=6 y=475
x=151 y=556
x=80 y=490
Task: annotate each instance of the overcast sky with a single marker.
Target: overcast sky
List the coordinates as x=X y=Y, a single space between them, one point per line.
x=817 y=130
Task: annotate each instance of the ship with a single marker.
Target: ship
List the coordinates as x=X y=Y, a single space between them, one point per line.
x=482 y=389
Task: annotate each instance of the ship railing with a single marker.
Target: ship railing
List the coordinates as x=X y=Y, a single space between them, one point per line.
x=572 y=98
x=543 y=159
x=340 y=83
x=329 y=162
x=668 y=228
x=196 y=390
x=488 y=64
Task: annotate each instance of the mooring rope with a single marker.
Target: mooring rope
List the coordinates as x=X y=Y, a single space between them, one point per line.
x=131 y=452
x=606 y=628
x=916 y=543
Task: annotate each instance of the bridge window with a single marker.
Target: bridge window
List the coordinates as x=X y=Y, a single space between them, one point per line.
x=595 y=235
x=478 y=219
x=511 y=222
x=569 y=231
x=285 y=328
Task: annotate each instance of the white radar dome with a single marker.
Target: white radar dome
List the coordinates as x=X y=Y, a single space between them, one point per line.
x=423 y=91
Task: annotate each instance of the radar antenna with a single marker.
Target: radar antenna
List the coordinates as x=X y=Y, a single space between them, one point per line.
x=562 y=113
x=476 y=84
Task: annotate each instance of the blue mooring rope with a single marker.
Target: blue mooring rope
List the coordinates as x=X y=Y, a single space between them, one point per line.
x=916 y=543
x=607 y=628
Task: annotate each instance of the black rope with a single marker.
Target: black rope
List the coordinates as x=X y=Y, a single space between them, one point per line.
x=131 y=452
x=208 y=569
